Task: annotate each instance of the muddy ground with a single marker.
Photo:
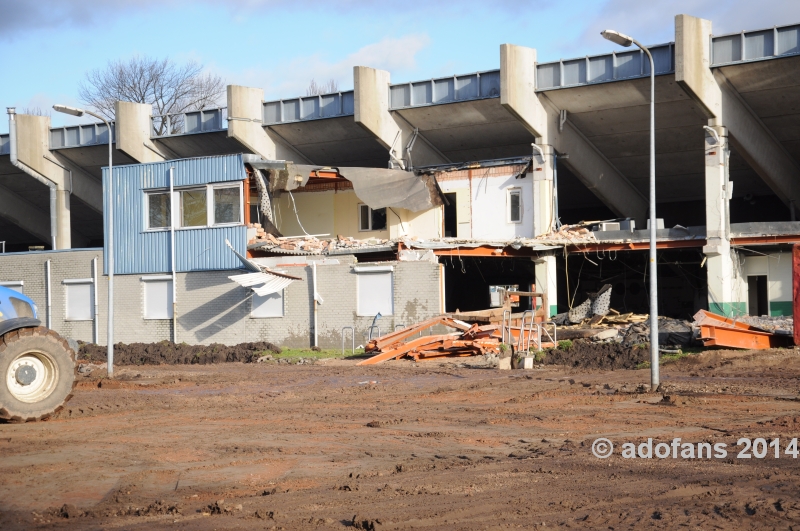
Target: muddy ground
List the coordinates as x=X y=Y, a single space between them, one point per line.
x=404 y=446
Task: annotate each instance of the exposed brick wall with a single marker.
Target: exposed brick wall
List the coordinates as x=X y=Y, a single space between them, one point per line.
x=213 y=309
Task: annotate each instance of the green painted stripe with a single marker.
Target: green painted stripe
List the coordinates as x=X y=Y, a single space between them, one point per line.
x=780 y=308
x=553 y=310
x=728 y=309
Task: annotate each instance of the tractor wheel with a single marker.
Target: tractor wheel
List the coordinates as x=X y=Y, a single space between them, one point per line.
x=37 y=373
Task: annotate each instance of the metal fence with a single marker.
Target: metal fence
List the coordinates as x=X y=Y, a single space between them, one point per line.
x=603 y=68
x=187 y=123
x=80 y=135
x=476 y=86
x=755 y=45
x=309 y=108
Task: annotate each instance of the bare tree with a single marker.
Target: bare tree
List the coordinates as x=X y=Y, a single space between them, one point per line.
x=35 y=111
x=169 y=87
x=326 y=88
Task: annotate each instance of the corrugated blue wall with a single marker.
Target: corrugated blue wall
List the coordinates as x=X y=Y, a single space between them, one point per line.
x=139 y=251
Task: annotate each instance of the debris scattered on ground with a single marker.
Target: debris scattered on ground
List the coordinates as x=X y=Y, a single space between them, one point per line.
x=671 y=333
x=167 y=352
x=774 y=324
x=470 y=340
x=719 y=331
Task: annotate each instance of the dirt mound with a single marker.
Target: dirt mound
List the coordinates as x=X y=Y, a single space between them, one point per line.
x=167 y=352
x=588 y=355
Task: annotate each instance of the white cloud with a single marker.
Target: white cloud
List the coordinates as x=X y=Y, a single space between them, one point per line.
x=291 y=78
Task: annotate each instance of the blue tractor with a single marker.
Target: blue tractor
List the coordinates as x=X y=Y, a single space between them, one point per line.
x=37 y=366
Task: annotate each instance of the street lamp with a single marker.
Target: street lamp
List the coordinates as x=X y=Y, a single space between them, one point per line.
x=624 y=40
x=110 y=257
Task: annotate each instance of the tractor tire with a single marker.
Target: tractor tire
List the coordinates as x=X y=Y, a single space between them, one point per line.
x=37 y=374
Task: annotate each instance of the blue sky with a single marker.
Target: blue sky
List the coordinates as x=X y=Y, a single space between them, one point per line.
x=48 y=46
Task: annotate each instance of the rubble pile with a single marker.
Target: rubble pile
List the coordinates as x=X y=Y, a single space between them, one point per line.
x=310 y=244
x=569 y=234
x=774 y=324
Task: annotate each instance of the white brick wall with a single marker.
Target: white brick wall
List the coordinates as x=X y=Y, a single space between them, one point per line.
x=213 y=309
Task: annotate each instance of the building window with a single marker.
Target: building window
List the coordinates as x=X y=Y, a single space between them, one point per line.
x=374 y=291
x=157 y=297
x=158 y=210
x=268 y=306
x=16 y=285
x=205 y=206
x=194 y=207
x=80 y=299
x=369 y=219
x=227 y=205
x=515 y=205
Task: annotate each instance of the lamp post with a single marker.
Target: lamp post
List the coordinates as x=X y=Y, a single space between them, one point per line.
x=624 y=40
x=110 y=255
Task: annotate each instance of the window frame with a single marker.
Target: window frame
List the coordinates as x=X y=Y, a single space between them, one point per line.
x=16 y=285
x=167 y=279
x=518 y=192
x=369 y=218
x=78 y=282
x=362 y=271
x=283 y=306
x=177 y=215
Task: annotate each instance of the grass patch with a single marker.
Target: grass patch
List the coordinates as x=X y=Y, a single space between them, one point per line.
x=297 y=353
x=565 y=344
x=643 y=365
x=539 y=356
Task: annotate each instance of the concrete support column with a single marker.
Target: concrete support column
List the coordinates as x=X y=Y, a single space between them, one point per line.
x=246 y=125
x=30 y=154
x=539 y=116
x=133 y=131
x=723 y=105
x=542 y=171
x=371 y=106
x=720 y=270
x=545 y=274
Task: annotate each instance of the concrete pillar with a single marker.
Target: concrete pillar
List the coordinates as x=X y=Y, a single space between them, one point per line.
x=722 y=297
x=371 y=103
x=537 y=114
x=133 y=131
x=32 y=144
x=723 y=106
x=245 y=124
x=542 y=172
x=545 y=274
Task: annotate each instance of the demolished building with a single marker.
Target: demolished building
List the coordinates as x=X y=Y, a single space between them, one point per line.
x=434 y=194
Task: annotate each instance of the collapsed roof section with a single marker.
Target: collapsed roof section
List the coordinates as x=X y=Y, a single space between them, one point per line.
x=376 y=187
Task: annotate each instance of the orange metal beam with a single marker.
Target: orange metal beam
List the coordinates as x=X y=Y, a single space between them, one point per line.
x=739 y=338
x=634 y=246
x=762 y=240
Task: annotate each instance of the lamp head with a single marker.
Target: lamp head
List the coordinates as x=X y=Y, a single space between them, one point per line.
x=68 y=110
x=617 y=37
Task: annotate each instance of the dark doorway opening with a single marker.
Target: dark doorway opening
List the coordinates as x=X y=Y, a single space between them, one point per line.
x=757 y=299
x=450 y=216
x=682 y=285
x=468 y=281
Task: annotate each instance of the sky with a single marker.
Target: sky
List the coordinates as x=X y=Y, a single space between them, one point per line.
x=48 y=46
